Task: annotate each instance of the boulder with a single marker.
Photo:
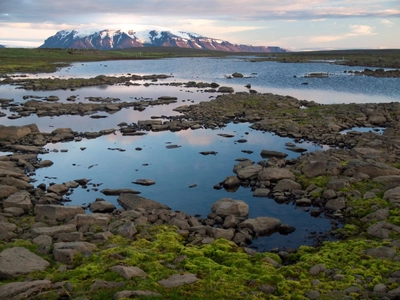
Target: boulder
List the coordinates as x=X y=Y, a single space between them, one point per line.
x=261 y=225
x=231 y=181
x=117 y=192
x=92 y=219
x=23 y=290
x=249 y=172
x=59 y=189
x=58 y=212
x=135 y=202
x=15 y=133
x=17 y=261
x=393 y=195
x=272 y=153
x=7 y=190
x=53 y=231
x=101 y=206
x=21 y=199
x=227 y=206
x=65 y=252
x=274 y=174
x=287 y=185
x=261 y=192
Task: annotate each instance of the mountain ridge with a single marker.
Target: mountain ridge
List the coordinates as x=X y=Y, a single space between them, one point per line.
x=109 y=39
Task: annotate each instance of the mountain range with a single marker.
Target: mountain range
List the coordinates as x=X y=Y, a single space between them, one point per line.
x=119 y=39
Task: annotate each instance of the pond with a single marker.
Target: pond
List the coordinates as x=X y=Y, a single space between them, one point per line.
x=185 y=178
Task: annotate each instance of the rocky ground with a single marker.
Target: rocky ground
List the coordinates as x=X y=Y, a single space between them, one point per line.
x=51 y=251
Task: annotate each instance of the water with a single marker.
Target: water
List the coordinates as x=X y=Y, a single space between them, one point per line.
x=175 y=170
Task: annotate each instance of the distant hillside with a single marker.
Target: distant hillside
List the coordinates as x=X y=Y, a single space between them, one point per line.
x=2 y=46
x=119 y=39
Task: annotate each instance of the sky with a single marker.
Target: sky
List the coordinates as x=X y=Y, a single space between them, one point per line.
x=293 y=25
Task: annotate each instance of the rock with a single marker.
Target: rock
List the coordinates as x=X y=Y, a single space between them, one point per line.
x=313 y=294
x=287 y=185
x=127 y=230
x=286 y=229
x=134 y=202
x=261 y=225
x=227 y=206
x=393 y=195
x=19 y=199
x=382 y=229
x=217 y=233
x=101 y=206
x=14 y=211
x=58 y=212
x=23 y=290
x=230 y=222
x=382 y=252
x=261 y=192
x=335 y=204
x=145 y=182
x=379 y=215
x=372 y=169
x=53 y=231
x=117 y=192
x=178 y=280
x=65 y=252
x=315 y=270
x=272 y=153
x=249 y=172
x=15 y=133
x=337 y=184
x=231 y=181
x=303 y=202
x=135 y=294
x=17 y=261
x=6 y=191
x=237 y=75
x=275 y=174
x=128 y=272
x=380 y=288
x=92 y=219
x=106 y=285
x=225 y=89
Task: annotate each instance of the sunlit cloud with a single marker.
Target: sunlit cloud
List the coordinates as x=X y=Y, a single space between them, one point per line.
x=387 y=23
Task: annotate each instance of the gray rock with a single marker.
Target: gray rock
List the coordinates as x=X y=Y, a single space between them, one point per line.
x=382 y=229
x=19 y=199
x=59 y=189
x=127 y=230
x=65 y=252
x=146 y=182
x=105 y=285
x=217 y=233
x=231 y=181
x=92 y=219
x=101 y=206
x=58 y=212
x=14 y=211
x=272 y=153
x=53 y=231
x=315 y=270
x=379 y=215
x=261 y=192
x=313 y=294
x=17 y=261
x=6 y=191
x=261 y=225
x=383 y=252
x=23 y=290
x=303 y=202
x=117 y=192
x=266 y=289
x=178 y=280
x=135 y=202
x=181 y=224
x=128 y=272
x=380 y=288
x=230 y=222
x=134 y=294
x=227 y=206
x=335 y=204
x=249 y=172
x=287 y=185
x=393 y=195
x=275 y=174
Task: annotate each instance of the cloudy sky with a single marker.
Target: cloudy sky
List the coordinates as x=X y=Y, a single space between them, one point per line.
x=295 y=25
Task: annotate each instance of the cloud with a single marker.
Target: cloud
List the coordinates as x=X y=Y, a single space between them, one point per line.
x=387 y=23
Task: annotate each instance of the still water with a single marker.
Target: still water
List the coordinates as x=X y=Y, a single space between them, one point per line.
x=176 y=170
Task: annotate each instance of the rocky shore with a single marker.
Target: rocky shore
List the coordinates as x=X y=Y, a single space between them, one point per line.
x=53 y=251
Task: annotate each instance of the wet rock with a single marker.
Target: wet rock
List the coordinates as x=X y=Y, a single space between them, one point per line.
x=261 y=192
x=117 y=192
x=231 y=181
x=17 y=261
x=272 y=153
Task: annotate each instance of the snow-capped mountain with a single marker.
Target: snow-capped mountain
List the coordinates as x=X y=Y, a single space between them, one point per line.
x=118 y=39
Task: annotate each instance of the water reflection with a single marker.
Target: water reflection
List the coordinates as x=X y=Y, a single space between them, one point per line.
x=175 y=170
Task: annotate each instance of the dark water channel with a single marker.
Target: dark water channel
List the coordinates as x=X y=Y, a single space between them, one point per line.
x=113 y=161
